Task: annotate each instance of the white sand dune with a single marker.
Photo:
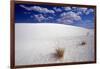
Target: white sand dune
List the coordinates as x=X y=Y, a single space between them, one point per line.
x=36 y=43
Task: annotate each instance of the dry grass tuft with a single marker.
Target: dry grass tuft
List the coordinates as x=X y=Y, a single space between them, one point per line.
x=60 y=53
x=83 y=43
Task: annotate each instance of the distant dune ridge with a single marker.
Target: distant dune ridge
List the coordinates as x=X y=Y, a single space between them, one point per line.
x=38 y=43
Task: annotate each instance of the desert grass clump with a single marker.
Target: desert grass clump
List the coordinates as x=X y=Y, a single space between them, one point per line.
x=83 y=43
x=60 y=53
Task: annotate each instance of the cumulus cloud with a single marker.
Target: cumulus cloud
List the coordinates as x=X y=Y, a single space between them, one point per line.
x=50 y=17
x=42 y=18
x=82 y=9
x=65 y=21
x=57 y=9
x=23 y=6
x=86 y=10
x=38 y=9
x=69 y=17
x=39 y=17
x=67 y=8
x=74 y=7
x=89 y=11
x=79 y=13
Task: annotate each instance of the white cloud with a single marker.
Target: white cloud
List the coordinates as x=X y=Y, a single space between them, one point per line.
x=80 y=10
x=63 y=14
x=65 y=21
x=39 y=17
x=42 y=18
x=89 y=11
x=67 y=8
x=57 y=9
x=69 y=17
x=41 y=9
x=38 y=9
x=50 y=17
x=83 y=9
x=27 y=8
x=79 y=13
x=74 y=7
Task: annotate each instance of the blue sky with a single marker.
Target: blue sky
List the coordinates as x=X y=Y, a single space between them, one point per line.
x=76 y=16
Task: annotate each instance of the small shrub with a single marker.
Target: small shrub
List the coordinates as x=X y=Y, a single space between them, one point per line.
x=60 y=53
x=83 y=43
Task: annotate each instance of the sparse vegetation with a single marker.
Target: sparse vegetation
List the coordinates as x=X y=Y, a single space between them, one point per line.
x=83 y=43
x=60 y=53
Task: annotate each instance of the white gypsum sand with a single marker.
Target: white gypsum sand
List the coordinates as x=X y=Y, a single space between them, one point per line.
x=37 y=43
